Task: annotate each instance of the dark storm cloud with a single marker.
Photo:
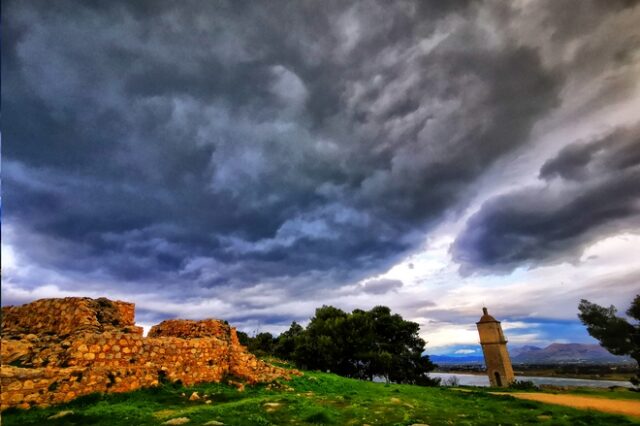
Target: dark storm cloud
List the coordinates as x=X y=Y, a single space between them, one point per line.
x=199 y=144
x=590 y=191
x=618 y=152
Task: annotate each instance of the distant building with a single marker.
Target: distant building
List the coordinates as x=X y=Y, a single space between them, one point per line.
x=494 y=348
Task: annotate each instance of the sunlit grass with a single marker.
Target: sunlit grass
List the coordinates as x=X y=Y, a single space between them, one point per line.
x=315 y=398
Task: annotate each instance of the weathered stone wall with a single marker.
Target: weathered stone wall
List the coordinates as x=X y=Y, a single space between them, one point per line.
x=107 y=353
x=62 y=317
x=190 y=329
x=27 y=387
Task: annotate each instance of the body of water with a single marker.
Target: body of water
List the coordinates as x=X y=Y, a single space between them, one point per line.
x=483 y=380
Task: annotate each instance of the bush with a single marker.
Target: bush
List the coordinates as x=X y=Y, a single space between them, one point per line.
x=319 y=417
x=523 y=385
x=452 y=381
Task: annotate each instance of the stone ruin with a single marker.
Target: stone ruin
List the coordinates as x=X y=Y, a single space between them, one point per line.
x=55 y=350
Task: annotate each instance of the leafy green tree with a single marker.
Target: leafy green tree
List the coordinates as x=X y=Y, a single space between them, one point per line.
x=360 y=344
x=243 y=338
x=398 y=349
x=262 y=344
x=616 y=334
x=363 y=344
x=320 y=345
x=286 y=343
x=360 y=347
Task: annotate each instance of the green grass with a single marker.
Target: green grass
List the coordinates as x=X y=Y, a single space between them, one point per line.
x=315 y=398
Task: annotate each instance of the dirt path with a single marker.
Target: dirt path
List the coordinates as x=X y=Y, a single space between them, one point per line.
x=615 y=406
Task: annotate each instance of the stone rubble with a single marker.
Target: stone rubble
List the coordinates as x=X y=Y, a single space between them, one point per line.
x=55 y=350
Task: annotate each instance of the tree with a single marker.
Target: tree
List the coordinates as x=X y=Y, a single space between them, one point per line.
x=262 y=344
x=286 y=342
x=320 y=346
x=363 y=344
x=360 y=344
x=616 y=334
x=243 y=338
x=398 y=349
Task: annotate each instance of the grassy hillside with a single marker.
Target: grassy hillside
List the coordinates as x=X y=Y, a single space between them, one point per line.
x=315 y=398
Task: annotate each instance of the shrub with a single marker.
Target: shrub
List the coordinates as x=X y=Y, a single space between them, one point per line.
x=319 y=417
x=523 y=385
x=452 y=381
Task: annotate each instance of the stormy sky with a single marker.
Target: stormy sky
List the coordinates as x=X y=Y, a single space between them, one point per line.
x=252 y=161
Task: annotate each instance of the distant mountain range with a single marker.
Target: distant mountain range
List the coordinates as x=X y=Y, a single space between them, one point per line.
x=564 y=353
x=556 y=353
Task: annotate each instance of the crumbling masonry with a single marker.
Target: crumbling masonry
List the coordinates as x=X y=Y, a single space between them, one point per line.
x=54 y=350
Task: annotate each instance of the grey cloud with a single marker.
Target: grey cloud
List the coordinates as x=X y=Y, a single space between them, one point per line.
x=591 y=190
x=381 y=286
x=603 y=64
x=618 y=151
x=192 y=145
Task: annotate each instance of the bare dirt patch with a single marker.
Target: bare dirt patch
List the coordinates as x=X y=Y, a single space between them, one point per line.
x=615 y=406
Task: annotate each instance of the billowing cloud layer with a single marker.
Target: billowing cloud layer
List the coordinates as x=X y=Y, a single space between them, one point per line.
x=591 y=189
x=153 y=140
x=251 y=159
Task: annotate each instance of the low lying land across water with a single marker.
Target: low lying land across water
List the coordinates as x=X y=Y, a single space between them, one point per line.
x=619 y=372
x=481 y=379
x=315 y=398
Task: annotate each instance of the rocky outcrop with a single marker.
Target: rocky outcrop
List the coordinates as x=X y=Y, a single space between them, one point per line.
x=54 y=350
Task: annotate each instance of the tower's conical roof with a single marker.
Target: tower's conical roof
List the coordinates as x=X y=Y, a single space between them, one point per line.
x=486 y=317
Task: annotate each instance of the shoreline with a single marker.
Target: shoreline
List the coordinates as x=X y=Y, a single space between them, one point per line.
x=480 y=379
x=546 y=373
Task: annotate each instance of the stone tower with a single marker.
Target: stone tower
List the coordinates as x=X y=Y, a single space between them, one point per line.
x=494 y=348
